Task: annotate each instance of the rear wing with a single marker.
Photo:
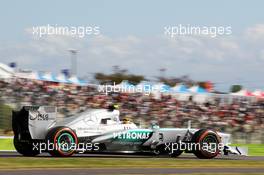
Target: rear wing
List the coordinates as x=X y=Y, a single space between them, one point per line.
x=33 y=122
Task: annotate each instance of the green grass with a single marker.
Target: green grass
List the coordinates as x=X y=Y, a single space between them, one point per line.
x=80 y=162
x=6 y=144
x=253 y=149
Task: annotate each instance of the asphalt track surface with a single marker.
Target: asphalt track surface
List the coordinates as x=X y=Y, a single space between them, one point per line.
x=107 y=171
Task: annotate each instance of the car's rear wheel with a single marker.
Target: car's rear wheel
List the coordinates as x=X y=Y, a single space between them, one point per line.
x=25 y=147
x=208 y=142
x=63 y=140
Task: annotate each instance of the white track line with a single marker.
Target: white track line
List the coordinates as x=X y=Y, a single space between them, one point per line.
x=6 y=137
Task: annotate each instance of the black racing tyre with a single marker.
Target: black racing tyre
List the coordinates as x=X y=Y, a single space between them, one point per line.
x=62 y=141
x=209 y=144
x=25 y=147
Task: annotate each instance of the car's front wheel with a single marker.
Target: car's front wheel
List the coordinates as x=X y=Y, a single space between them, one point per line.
x=206 y=144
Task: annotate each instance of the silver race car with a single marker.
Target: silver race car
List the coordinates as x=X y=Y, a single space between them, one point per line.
x=36 y=130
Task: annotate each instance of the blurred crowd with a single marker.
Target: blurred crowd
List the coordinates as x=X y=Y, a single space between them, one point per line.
x=238 y=116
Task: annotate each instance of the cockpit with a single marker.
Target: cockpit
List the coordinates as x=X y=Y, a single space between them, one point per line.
x=102 y=116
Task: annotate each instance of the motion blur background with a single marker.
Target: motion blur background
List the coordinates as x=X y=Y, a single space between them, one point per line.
x=236 y=113
x=214 y=82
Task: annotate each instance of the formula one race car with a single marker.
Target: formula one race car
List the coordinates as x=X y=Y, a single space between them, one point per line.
x=36 y=130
